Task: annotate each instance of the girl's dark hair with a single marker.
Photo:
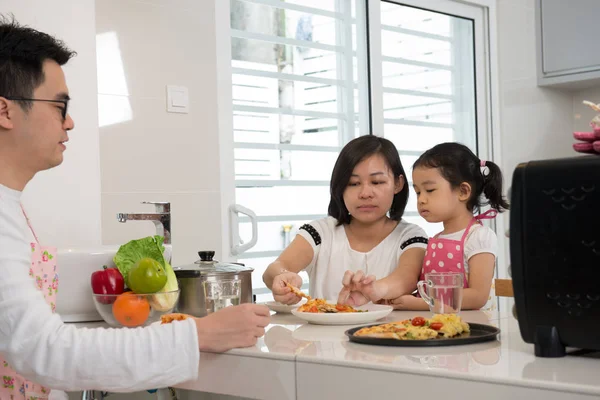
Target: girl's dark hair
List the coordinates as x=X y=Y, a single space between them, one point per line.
x=458 y=164
x=353 y=153
x=23 y=51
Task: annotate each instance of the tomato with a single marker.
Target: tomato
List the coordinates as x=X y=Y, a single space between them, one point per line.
x=131 y=310
x=147 y=276
x=418 y=321
x=313 y=309
x=436 y=326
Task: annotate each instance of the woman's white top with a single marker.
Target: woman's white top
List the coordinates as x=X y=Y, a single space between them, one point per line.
x=333 y=254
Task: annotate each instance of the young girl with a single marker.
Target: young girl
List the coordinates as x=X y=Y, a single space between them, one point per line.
x=449 y=181
x=364 y=230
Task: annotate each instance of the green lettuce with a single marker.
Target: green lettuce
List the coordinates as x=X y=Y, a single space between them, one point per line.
x=133 y=251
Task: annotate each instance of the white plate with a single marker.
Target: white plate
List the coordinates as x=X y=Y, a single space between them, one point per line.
x=283 y=308
x=375 y=312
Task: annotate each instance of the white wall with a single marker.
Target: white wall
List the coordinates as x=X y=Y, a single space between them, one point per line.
x=146 y=153
x=64 y=203
x=536 y=123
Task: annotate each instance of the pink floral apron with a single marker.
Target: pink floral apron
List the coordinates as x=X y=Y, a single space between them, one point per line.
x=43 y=271
x=447 y=255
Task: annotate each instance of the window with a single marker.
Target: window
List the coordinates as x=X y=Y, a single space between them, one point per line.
x=296 y=101
x=426 y=86
x=304 y=83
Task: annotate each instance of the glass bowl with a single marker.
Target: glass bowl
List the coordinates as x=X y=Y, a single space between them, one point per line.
x=130 y=310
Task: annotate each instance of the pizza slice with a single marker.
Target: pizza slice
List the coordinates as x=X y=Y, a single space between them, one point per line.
x=296 y=291
x=418 y=328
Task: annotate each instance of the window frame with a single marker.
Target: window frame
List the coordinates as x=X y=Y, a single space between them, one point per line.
x=487 y=104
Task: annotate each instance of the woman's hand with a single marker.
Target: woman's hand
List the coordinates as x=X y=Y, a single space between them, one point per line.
x=359 y=289
x=281 y=292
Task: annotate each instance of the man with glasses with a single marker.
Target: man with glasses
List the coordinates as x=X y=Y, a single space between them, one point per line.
x=38 y=353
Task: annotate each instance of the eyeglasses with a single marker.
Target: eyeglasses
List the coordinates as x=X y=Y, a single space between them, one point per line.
x=63 y=110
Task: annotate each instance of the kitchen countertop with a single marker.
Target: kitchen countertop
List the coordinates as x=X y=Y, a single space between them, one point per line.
x=290 y=346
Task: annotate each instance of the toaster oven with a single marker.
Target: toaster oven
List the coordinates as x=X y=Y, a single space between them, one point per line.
x=555 y=253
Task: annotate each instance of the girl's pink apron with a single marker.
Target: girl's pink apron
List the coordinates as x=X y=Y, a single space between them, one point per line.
x=447 y=255
x=43 y=271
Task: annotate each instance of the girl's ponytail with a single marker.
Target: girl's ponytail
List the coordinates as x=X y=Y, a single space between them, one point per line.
x=492 y=186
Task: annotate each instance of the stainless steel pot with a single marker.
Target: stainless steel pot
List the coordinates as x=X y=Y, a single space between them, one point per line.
x=191 y=278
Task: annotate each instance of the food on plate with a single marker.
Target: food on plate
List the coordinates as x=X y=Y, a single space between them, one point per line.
x=107 y=281
x=418 y=328
x=296 y=291
x=322 y=306
x=131 y=310
x=168 y=318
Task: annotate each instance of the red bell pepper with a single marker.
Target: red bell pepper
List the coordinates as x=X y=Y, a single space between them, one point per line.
x=107 y=281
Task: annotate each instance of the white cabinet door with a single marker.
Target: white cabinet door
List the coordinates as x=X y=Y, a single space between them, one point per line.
x=567 y=32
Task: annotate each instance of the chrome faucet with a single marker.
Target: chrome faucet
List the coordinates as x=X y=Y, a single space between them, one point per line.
x=161 y=218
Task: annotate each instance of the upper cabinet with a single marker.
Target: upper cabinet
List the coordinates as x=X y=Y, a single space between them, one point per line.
x=568 y=55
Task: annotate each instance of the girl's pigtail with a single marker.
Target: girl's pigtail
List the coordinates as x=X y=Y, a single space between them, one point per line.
x=492 y=187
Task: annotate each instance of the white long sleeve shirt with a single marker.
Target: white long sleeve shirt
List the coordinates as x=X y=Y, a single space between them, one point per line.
x=43 y=349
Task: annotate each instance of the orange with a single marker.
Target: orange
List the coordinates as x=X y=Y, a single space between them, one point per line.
x=131 y=310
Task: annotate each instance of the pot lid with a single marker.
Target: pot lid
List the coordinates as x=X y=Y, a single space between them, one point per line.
x=207 y=266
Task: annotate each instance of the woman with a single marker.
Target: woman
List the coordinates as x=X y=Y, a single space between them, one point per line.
x=364 y=230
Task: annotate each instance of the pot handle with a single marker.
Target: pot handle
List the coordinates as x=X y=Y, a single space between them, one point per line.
x=237 y=245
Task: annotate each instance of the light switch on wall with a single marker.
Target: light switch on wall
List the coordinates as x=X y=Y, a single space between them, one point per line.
x=178 y=100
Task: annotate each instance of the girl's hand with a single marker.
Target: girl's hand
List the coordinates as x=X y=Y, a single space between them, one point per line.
x=406 y=302
x=282 y=293
x=359 y=289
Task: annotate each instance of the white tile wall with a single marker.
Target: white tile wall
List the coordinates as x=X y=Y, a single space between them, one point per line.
x=154 y=155
x=64 y=203
x=535 y=123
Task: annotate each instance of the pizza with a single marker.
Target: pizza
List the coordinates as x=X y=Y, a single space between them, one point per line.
x=322 y=306
x=168 y=318
x=296 y=291
x=418 y=328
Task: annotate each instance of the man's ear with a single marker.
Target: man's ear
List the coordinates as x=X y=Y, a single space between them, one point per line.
x=6 y=114
x=399 y=185
x=464 y=191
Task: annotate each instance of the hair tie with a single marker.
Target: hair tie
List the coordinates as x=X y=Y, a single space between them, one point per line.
x=485 y=171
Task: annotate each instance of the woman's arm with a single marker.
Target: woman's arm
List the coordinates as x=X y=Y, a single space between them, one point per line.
x=481 y=273
x=296 y=257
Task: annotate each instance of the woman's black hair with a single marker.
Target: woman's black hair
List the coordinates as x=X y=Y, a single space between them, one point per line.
x=458 y=164
x=353 y=153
